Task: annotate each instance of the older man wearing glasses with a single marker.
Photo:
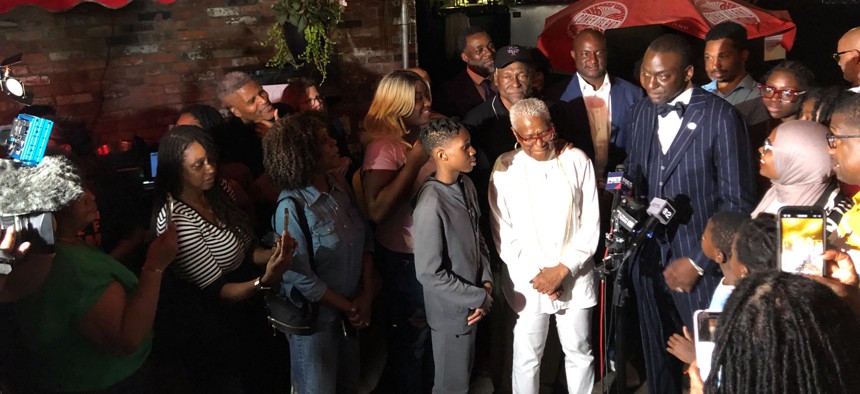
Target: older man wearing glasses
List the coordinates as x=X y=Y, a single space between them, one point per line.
x=545 y=224
x=848 y=56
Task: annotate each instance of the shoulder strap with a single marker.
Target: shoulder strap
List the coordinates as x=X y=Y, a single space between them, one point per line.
x=825 y=197
x=303 y=225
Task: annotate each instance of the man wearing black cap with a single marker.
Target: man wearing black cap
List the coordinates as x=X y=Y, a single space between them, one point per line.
x=489 y=122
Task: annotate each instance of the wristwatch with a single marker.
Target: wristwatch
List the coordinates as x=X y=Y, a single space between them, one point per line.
x=5 y=268
x=259 y=285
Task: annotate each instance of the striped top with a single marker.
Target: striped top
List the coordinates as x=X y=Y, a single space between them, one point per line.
x=206 y=250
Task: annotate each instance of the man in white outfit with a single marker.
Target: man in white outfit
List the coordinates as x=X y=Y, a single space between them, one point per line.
x=546 y=224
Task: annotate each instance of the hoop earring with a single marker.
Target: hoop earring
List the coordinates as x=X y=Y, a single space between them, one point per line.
x=517 y=146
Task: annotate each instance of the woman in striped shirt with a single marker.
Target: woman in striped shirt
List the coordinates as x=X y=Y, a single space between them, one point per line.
x=204 y=318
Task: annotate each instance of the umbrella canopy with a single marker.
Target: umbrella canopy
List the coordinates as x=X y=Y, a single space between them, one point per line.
x=62 y=5
x=693 y=17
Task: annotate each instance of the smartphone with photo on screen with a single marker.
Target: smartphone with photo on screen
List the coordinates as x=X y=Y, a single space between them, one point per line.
x=705 y=337
x=801 y=239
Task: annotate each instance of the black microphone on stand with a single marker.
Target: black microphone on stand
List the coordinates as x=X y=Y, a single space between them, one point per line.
x=618 y=184
x=660 y=211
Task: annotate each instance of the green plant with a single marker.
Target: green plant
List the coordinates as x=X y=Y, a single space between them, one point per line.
x=316 y=20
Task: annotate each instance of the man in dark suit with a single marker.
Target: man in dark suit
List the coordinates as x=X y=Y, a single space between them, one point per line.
x=691 y=146
x=458 y=95
x=594 y=104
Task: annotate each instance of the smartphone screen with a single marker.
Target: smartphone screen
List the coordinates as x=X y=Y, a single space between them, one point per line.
x=705 y=335
x=801 y=240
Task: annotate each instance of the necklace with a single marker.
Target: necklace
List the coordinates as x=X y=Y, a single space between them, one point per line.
x=569 y=216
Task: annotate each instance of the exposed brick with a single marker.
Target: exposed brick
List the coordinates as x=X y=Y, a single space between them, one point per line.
x=74 y=99
x=140 y=49
x=128 y=61
x=163 y=79
x=99 y=31
x=32 y=35
x=245 y=61
x=379 y=59
x=161 y=58
x=128 y=39
x=218 y=12
x=231 y=52
x=199 y=76
x=35 y=80
x=65 y=55
x=242 y=20
x=150 y=16
x=192 y=34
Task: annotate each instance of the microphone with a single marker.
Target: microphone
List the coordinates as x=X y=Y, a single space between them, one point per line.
x=28 y=195
x=660 y=211
x=47 y=187
x=618 y=184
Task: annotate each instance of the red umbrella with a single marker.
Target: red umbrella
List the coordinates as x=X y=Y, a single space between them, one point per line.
x=693 y=17
x=62 y=5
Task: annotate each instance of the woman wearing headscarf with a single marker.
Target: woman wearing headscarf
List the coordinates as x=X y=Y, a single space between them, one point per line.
x=794 y=157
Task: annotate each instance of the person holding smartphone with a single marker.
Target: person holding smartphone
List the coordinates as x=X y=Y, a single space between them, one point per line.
x=208 y=322
x=333 y=261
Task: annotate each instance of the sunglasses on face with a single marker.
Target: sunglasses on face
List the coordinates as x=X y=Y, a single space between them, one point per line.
x=783 y=95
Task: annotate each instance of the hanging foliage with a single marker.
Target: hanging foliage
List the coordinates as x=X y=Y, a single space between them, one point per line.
x=316 y=20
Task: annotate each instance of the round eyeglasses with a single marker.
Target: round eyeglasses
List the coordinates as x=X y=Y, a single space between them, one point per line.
x=783 y=95
x=546 y=136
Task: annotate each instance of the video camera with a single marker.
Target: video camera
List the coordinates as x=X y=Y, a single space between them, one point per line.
x=32 y=187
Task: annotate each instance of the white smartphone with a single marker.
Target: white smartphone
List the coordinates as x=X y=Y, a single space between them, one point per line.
x=705 y=336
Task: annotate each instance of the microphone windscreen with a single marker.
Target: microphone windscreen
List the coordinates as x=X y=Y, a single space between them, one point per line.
x=47 y=187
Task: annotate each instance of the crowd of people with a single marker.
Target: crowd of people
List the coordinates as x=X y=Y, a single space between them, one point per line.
x=472 y=225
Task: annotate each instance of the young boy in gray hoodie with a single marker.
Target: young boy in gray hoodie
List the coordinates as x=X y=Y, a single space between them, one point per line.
x=451 y=259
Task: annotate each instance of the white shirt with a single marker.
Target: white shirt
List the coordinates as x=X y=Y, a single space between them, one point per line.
x=598 y=105
x=668 y=126
x=532 y=204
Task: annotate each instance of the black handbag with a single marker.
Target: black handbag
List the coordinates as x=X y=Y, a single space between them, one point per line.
x=293 y=313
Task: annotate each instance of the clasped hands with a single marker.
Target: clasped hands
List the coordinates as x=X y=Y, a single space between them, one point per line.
x=359 y=310
x=548 y=281
x=485 y=307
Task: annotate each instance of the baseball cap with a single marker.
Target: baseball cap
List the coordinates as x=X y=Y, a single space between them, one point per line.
x=512 y=53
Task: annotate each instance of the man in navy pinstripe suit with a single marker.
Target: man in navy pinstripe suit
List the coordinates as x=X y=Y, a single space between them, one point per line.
x=691 y=146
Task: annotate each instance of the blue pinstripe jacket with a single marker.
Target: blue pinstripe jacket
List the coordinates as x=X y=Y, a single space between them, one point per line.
x=708 y=162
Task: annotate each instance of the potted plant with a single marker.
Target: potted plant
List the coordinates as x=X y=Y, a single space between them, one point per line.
x=316 y=21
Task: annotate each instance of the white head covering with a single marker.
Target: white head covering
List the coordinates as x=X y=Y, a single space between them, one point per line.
x=803 y=166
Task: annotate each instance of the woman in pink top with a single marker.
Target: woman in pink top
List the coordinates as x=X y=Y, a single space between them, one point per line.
x=395 y=165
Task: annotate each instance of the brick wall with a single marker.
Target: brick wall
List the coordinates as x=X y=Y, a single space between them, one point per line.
x=128 y=71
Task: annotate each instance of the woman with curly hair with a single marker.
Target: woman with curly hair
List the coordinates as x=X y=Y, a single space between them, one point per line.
x=332 y=262
x=395 y=166
x=209 y=325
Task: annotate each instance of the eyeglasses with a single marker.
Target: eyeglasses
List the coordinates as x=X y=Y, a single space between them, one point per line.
x=838 y=55
x=783 y=95
x=766 y=146
x=831 y=138
x=546 y=136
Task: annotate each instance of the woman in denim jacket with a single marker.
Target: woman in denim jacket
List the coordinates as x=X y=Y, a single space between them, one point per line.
x=300 y=157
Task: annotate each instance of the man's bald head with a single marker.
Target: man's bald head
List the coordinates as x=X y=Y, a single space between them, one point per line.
x=589 y=55
x=848 y=50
